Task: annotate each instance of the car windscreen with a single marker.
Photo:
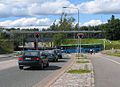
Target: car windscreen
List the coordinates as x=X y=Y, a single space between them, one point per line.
x=31 y=53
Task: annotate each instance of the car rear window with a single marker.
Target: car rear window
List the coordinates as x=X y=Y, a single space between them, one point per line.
x=31 y=53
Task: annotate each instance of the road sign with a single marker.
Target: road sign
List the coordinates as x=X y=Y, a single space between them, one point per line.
x=80 y=35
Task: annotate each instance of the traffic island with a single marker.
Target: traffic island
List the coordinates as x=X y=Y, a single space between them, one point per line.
x=79 y=75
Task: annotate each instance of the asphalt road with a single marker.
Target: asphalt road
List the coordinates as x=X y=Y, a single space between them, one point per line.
x=107 y=70
x=13 y=77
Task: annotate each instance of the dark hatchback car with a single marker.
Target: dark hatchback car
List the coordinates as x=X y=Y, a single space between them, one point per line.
x=51 y=55
x=59 y=53
x=33 y=58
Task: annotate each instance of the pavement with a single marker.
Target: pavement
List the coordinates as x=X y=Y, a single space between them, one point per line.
x=76 y=80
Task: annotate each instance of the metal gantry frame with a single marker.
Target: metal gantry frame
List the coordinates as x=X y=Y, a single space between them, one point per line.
x=46 y=32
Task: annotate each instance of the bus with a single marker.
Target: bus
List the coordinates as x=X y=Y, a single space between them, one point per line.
x=85 y=48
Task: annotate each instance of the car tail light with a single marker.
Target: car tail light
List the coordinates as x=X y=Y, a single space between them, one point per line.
x=20 y=58
x=36 y=59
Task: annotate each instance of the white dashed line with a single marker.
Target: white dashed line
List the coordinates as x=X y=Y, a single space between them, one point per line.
x=113 y=61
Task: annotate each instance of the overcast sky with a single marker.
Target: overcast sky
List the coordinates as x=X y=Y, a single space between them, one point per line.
x=21 y=13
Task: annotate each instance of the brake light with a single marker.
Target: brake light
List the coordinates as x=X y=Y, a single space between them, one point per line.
x=36 y=58
x=20 y=58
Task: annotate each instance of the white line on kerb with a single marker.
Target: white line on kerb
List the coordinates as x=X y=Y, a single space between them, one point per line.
x=113 y=61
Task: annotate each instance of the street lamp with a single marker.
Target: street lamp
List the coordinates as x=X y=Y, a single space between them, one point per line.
x=80 y=35
x=78 y=16
x=78 y=13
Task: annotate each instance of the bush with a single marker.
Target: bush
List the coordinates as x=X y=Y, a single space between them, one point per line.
x=6 y=46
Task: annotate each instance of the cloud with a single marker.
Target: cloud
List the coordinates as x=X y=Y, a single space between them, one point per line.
x=4 y=10
x=100 y=6
x=40 y=23
x=92 y=23
x=32 y=7
x=10 y=8
x=24 y=22
x=54 y=7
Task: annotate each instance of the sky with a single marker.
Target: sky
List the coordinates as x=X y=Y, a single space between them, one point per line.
x=42 y=13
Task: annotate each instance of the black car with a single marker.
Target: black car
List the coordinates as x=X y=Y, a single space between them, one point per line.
x=33 y=58
x=51 y=55
x=59 y=53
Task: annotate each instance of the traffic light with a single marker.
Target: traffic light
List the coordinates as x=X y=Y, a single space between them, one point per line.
x=37 y=35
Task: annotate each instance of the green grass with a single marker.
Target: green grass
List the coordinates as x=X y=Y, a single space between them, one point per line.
x=81 y=71
x=82 y=61
x=113 y=54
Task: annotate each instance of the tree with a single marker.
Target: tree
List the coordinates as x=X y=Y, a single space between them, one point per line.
x=112 y=28
x=65 y=24
x=58 y=39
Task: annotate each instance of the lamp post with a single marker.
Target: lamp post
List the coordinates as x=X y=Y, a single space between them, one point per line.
x=78 y=13
x=78 y=16
x=80 y=35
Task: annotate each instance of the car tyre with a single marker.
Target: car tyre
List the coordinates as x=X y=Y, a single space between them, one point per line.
x=21 y=67
x=47 y=65
x=42 y=66
x=60 y=56
x=56 y=60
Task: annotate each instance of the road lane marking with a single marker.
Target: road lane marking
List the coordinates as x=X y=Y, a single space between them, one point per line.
x=113 y=61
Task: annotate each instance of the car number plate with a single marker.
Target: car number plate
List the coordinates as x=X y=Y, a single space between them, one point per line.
x=28 y=58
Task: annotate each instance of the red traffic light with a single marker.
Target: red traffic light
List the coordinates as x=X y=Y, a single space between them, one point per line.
x=80 y=35
x=36 y=35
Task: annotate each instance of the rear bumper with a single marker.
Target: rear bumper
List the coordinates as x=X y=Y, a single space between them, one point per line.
x=29 y=63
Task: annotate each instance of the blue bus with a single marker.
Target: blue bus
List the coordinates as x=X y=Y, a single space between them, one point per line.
x=85 y=48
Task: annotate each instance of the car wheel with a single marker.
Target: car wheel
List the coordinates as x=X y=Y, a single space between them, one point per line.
x=56 y=60
x=47 y=65
x=20 y=67
x=60 y=56
x=42 y=66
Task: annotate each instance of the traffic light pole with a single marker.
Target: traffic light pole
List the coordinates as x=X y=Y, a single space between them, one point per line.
x=36 y=44
x=36 y=41
x=23 y=41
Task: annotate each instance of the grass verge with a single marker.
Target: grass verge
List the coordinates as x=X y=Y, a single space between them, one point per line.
x=114 y=54
x=81 y=71
x=82 y=62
